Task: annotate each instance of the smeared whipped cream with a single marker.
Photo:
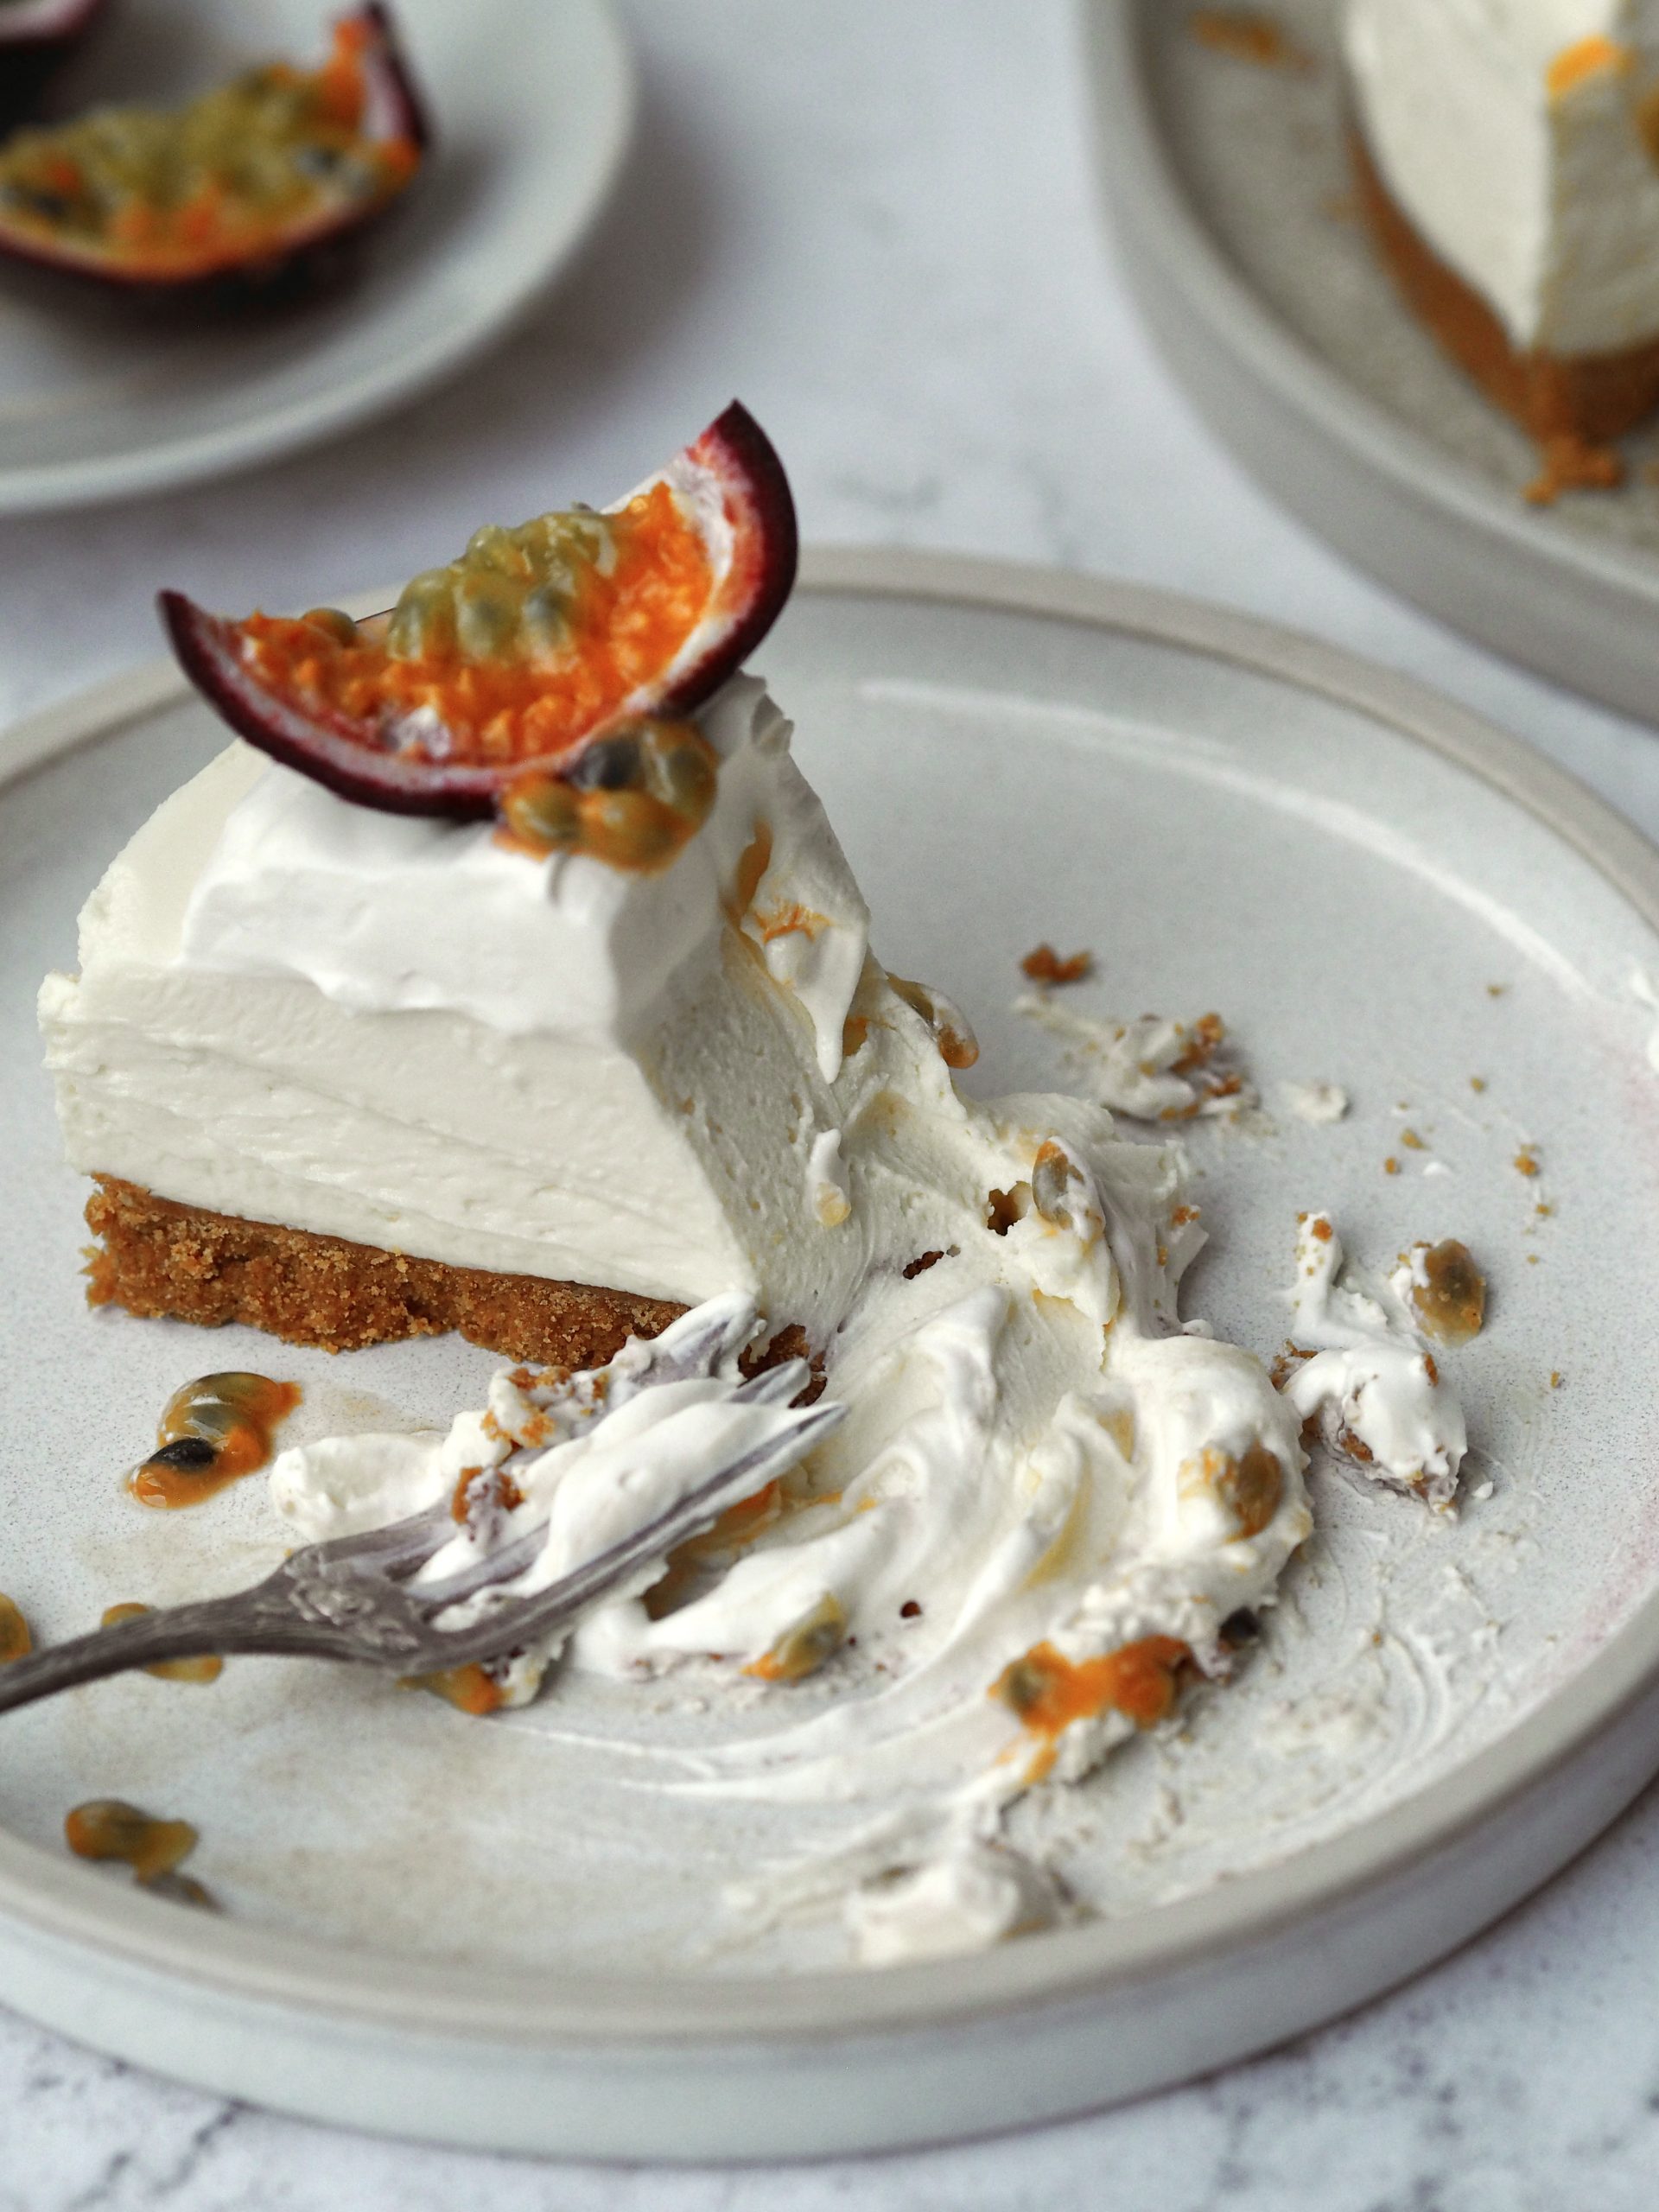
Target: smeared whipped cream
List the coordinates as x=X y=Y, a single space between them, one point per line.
x=1039 y=1469
x=1371 y=1383
x=1519 y=137
x=965 y=1900
x=1315 y=1102
x=1150 y=1069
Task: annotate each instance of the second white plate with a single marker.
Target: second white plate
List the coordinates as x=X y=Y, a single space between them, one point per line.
x=532 y=103
x=1228 y=182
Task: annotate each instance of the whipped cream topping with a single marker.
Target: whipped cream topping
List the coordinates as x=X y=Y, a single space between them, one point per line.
x=383 y=912
x=1519 y=137
x=1372 y=1385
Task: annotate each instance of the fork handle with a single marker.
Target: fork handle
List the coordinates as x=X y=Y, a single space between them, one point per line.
x=188 y=1631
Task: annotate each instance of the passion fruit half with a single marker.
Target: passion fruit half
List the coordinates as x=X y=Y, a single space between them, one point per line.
x=267 y=173
x=36 y=37
x=541 y=674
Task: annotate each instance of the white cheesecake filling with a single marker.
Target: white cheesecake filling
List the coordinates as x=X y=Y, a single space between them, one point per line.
x=1519 y=137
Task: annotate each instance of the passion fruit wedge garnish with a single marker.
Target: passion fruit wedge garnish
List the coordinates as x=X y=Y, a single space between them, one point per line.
x=274 y=169
x=545 y=675
x=35 y=36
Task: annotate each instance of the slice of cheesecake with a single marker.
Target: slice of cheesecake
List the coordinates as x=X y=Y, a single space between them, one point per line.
x=1507 y=158
x=350 y=1075
x=512 y=980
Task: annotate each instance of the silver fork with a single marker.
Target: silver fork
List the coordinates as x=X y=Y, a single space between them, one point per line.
x=353 y=1598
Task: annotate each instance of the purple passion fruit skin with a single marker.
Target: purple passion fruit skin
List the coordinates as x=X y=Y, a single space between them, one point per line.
x=36 y=38
x=512 y=669
x=266 y=180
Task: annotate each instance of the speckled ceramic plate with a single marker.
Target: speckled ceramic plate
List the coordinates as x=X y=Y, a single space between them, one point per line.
x=1229 y=188
x=481 y=1931
x=101 y=398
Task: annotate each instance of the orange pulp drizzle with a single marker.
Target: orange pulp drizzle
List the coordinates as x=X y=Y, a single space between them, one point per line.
x=629 y=626
x=1049 y=1691
x=1587 y=57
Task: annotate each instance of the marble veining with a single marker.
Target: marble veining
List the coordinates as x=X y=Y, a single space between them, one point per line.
x=878 y=223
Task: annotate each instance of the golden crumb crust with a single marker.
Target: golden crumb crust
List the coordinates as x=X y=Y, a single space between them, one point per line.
x=160 y=1259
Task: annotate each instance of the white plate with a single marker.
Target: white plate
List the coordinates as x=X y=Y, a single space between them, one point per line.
x=1229 y=186
x=531 y=102
x=478 y=1931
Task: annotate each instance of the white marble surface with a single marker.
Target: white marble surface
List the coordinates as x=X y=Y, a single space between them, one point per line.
x=875 y=220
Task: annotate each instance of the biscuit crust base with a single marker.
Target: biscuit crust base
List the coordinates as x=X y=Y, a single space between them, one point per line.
x=1588 y=397
x=162 y=1259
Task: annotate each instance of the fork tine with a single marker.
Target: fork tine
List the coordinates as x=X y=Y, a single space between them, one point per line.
x=695 y=1345
x=774 y=1386
x=396 y=1549
x=563 y=1603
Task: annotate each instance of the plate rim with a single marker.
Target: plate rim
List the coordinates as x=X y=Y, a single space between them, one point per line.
x=401 y=376
x=1209 y=320
x=55 y=1899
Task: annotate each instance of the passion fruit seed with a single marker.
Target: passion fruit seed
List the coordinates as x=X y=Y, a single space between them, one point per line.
x=208 y=1667
x=544 y=622
x=542 y=812
x=1054 y=1179
x=633 y=798
x=15 y=1642
x=189 y=1454
x=509 y=598
x=804 y=1648
x=486 y=615
x=422 y=625
x=473 y=1689
x=1252 y=1486
x=182 y=1889
x=616 y=763
x=212 y=1431
x=1450 y=1301
x=630 y=829
x=333 y=623
x=682 y=769
x=1023 y=1685
x=491 y=547
x=957 y=1046
x=108 y=1827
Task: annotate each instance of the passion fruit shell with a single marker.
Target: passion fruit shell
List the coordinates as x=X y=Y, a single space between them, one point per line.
x=36 y=37
x=266 y=179
x=582 y=627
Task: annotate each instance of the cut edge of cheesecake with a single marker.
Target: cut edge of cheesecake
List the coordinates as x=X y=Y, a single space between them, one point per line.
x=1569 y=403
x=162 y=1259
